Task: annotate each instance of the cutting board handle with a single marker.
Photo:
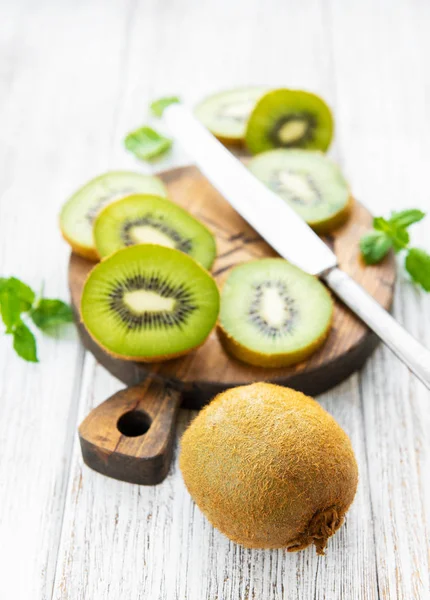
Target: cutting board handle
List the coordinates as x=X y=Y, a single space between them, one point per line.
x=130 y=436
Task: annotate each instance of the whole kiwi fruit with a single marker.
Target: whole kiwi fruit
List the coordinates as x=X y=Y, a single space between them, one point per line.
x=269 y=467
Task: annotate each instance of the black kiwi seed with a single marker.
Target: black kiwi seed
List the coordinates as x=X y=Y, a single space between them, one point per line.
x=183 y=244
x=150 y=319
x=287 y=326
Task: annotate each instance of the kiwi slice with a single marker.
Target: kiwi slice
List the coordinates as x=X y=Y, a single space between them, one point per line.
x=284 y=315
x=309 y=181
x=288 y=119
x=146 y=219
x=149 y=303
x=79 y=212
x=225 y=114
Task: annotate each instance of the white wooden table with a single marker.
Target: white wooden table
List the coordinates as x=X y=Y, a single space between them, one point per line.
x=75 y=76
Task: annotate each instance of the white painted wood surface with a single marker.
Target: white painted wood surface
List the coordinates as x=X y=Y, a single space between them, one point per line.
x=75 y=76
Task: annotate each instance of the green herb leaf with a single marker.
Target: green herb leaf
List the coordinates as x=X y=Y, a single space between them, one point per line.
x=405 y=218
x=19 y=289
x=158 y=106
x=399 y=237
x=24 y=343
x=146 y=143
x=51 y=313
x=374 y=246
x=417 y=264
x=10 y=308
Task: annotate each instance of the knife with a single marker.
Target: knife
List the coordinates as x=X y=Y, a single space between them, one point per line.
x=288 y=234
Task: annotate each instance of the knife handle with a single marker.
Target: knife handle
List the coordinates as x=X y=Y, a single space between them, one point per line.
x=402 y=343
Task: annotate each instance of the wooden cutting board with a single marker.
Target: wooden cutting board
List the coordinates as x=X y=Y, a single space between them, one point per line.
x=197 y=377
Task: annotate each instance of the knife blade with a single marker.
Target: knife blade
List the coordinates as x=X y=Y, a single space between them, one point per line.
x=265 y=211
x=288 y=234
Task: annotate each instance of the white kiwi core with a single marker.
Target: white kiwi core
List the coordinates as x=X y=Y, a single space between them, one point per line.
x=144 y=234
x=292 y=131
x=273 y=309
x=141 y=301
x=297 y=184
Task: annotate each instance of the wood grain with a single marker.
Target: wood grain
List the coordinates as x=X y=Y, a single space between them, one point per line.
x=207 y=371
x=130 y=435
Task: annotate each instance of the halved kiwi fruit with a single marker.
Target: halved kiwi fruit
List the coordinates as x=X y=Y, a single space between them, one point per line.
x=149 y=303
x=284 y=315
x=146 y=219
x=289 y=119
x=78 y=214
x=309 y=181
x=225 y=114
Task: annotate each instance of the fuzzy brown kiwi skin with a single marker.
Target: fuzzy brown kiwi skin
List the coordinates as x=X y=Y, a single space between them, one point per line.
x=140 y=359
x=293 y=467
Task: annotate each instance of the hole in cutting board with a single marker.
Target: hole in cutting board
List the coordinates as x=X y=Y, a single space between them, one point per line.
x=134 y=423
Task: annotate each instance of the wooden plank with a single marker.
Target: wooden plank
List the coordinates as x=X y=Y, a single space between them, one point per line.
x=56 y=113
x=380 y=90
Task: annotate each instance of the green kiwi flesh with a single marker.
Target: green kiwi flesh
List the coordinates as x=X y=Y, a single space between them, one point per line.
x=309 y=182
x=149 y=303
x=289 y=119
x=78 y=214
x=284 y=314
x=225 y=114
x=146 y=219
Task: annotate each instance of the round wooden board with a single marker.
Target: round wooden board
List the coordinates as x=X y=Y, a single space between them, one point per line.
x=208 y=370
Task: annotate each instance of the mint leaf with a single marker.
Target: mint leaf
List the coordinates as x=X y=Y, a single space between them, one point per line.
x=19 y=289
x=405 y=218
x=374 y=246
x=10 y=305
x=146 y=143
x=399 y=237
x=22 y=290
x=16 y=298
x=417 y=264
x=24 y=343
x=158 y=106
x=51 y=313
